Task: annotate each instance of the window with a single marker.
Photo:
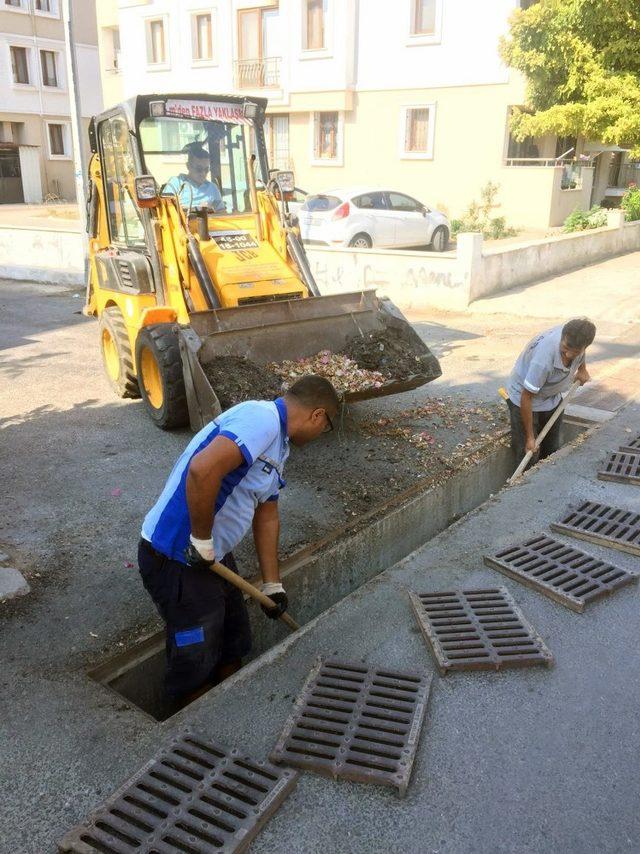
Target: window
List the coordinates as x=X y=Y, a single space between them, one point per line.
x=48 y=61
x=111 y=43
x=156 y=42
x=202 y=34
x=44 y=6
x=566 y=146
x=525 y=149
x=259 y=48
x=423 y=18
x=325 y=146
x=315 y=23
x=418 y=131
x=276 y=132
x=370 y=202
x=20 y=65
x=400 y=202
x=17 y=4
x=57 y=141
x=125 y=224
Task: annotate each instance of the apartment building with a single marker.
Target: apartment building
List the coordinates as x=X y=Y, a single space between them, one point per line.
x=409 y=94
x=36 y=157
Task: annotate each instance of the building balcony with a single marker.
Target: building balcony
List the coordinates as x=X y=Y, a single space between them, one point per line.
x=257 y=73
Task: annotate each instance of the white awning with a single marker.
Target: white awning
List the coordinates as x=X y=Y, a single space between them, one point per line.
x=600 y=147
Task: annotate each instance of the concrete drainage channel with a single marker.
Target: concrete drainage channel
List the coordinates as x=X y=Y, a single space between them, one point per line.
x=324 y=573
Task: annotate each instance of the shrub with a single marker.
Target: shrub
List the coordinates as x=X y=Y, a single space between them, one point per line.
x=584 y=220
x=631 y=203
x=478 y=216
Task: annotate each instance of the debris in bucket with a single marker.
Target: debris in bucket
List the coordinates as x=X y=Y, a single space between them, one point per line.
x=235 y=380
x=343 y=372
x=386 y=351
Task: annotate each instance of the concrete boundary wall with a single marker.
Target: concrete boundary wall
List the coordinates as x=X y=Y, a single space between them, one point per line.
x=502 y=269
x=42 y=255
x=418 y=281
x=415 y=281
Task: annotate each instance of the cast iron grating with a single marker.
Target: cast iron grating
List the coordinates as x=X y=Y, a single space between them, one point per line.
x=192 y=798
x=621 y=467
x=603 y=525
x=478 y=630
x=570 y=576
x=632 y=447
x=354 y=722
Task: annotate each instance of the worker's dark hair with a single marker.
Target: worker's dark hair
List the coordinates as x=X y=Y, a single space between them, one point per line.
x=195 y=149
x=579 y=333
x=315 y=392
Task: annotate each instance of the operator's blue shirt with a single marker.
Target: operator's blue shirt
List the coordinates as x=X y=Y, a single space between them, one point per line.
x=259 y=429
x=193 y=194
x=541 y=371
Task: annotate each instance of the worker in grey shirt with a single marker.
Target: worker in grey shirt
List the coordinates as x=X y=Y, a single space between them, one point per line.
x=547 y=366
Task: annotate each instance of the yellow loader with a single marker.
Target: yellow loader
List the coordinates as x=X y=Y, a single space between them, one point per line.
x=185 y=269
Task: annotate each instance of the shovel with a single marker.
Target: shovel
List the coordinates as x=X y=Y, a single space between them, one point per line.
x=543 y=433
x=258 y=595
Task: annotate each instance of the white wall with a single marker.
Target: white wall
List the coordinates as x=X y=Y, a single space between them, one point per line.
x=464 y=52
x=301 y=71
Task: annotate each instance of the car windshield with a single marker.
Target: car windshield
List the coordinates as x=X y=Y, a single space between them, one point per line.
x=203 y=161
x=321 y=203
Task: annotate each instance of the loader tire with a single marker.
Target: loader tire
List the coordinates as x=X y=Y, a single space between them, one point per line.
x=117 y=357
x=160 y=375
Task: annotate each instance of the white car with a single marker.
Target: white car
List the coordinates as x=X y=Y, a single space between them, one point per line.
x=363 y=217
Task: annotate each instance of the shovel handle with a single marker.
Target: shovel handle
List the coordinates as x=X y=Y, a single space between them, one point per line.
x=544 y=431
x=258 y=595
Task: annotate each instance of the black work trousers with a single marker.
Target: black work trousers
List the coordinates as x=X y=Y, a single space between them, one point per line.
x=551 y=442
x=206 y=616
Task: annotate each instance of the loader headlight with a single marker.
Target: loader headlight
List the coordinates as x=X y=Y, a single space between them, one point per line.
x=285 y=181
x=250 y=110
x=146 y=190
x=156 y=109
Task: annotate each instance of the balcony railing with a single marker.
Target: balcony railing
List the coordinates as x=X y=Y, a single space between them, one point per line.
x=257 y=73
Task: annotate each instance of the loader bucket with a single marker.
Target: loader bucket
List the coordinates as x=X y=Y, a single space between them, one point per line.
x=295 y=329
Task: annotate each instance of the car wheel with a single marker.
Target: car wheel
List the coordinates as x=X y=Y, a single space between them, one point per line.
x=361 y=241
x=440 y=239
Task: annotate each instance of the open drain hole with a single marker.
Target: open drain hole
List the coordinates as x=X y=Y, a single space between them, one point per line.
x=137 y=675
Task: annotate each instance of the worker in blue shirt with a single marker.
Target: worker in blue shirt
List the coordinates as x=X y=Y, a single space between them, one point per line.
x=193 y=187
x=226 y=481
x=547 y=366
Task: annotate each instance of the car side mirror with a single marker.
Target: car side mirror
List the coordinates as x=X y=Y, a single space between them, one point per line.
x=424 y=210
x=146 y=191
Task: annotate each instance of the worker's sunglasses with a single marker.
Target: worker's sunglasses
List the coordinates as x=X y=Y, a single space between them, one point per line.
x=329 y=426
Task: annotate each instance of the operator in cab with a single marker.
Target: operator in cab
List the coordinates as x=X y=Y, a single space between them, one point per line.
x=193 y=187
x=225 y=483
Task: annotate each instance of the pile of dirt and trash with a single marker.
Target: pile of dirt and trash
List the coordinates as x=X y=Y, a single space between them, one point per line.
x=369 y=361
x=235 y=380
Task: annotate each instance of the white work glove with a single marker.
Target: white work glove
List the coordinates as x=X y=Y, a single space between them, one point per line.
x=275 y=591
x=200 y=553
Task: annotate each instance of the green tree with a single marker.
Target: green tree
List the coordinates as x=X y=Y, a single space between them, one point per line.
x=581 y=59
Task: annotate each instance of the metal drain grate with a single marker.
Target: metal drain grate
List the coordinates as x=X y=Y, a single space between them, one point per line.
x=478 y=630
x=632 y=447
x=356 y=723
x=570 y=576
x=195 y=797
x=621 y=467
x=604 y=525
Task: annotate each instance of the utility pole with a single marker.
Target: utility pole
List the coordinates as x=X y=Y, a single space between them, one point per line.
x=76 y=113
